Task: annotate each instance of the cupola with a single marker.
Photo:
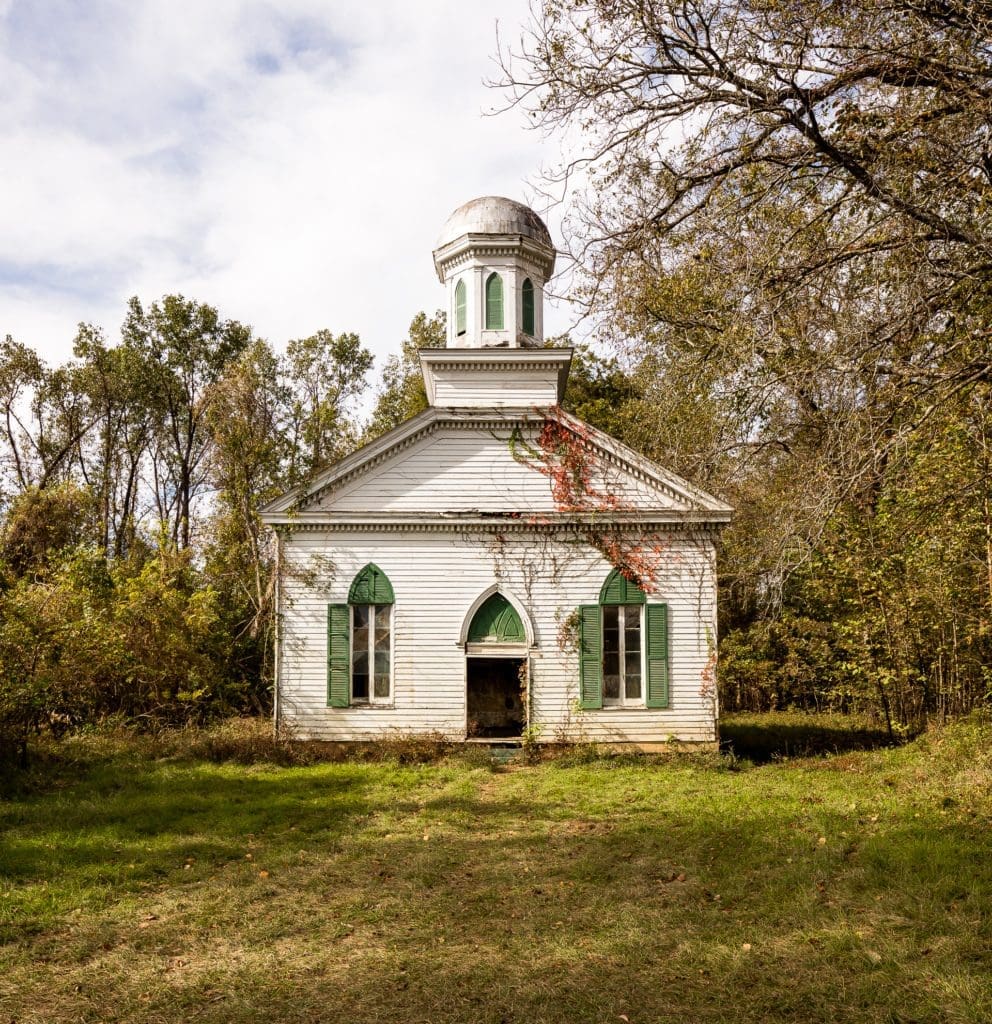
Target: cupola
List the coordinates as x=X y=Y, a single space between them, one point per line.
x=495 y=256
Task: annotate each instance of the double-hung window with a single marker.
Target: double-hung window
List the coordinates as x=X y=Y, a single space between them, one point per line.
x=622 y=655
x=623 y=648
x=360 y=643
x=371 y=639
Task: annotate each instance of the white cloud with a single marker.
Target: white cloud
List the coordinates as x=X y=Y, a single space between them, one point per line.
x=291 y=162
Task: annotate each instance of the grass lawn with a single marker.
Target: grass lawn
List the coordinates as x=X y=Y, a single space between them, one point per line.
x=149 y=889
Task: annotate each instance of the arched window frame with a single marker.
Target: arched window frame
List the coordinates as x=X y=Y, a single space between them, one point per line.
x=495 y=317
x=360 y=643
x=598 y=623
x=504 y=622
x=527 y=304
x=461 y=309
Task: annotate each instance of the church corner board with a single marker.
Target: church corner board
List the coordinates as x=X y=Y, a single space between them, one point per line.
x=495 y=568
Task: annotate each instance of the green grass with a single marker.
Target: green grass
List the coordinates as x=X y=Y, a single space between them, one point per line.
x=156 y=889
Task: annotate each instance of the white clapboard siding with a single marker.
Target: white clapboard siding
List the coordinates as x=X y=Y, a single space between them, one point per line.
x=437 y=575
x=461 y=469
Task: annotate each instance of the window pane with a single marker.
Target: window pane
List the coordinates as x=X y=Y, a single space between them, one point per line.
x=381 y=652
x=360 y=652
x=632 y=649
x=611 y=652
x=382 y=627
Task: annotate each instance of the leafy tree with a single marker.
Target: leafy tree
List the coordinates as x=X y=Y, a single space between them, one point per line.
x=786 y=229
x=401 y=394
x=188 y=347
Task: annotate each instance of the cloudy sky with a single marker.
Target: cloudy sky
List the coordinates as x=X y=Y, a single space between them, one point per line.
x=290 y=162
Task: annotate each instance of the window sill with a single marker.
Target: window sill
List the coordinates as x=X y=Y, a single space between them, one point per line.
x=629 y=707
x=364 y=706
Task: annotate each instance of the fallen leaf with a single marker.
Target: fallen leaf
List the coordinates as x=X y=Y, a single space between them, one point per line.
x=680 y=878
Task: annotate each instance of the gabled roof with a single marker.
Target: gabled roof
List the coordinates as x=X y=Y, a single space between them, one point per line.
x=297 y=505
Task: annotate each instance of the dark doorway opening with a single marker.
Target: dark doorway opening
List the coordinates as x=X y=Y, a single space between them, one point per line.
x=495 y=697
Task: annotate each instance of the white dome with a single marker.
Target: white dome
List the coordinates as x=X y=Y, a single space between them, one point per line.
x=494 y=215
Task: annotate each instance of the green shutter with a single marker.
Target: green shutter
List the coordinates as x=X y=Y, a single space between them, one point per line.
x=528 y=306
x=338 y=655
x=371 y=586
x=460 y=316
x=657 y=647
x=619 y=590
x=590 y=657
x=494 y=303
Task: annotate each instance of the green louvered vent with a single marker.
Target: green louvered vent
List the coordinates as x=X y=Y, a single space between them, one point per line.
x=619 y=590
x=657 y=640
x=461 y=319
x=527 y=295
x=496 y=622
x=590 y=658
x=338 y=655
x=371 y=586
x=494 y=303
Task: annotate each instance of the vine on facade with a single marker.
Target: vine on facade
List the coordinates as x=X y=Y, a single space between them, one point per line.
x=564 y=453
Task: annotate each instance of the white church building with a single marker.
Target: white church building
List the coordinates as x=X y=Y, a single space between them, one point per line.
x=494 y=568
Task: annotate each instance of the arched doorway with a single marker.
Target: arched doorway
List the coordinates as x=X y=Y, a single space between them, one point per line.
x=496 y=670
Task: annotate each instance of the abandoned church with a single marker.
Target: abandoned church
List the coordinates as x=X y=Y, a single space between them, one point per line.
x=494 y=568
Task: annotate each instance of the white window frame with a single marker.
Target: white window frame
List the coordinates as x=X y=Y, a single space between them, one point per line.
x=371 y=698
x=623 y=701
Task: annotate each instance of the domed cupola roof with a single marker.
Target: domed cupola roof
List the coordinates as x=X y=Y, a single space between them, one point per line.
x=494 y=226
x=494 y=215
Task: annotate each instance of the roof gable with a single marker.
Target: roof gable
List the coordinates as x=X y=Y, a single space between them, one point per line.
x=446 y=462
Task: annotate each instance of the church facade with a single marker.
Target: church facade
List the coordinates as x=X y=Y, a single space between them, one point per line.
x=494 y=568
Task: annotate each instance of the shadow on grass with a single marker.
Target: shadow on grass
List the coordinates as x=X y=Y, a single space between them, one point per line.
x=763 y=738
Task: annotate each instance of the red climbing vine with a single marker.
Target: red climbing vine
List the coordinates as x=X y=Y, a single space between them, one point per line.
x=563 y=452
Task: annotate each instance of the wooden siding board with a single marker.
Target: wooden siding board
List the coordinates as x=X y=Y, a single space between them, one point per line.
x=436 y=578
x=461 y=470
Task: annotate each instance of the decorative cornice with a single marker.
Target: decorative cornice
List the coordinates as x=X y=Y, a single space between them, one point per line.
x=480 y=246
x=490 y=527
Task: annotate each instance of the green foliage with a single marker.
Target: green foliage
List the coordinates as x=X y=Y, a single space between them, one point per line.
x=87 y=639
x=401 y=394
x=40 y=523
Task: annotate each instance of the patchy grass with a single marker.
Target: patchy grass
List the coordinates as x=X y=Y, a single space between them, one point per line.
x=157 y=885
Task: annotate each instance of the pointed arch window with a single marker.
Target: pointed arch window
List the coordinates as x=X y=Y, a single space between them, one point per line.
x=494 y=302
x=461 y=317
x=527 y=297
x=496 y=622
x=359 y=642
x=623 y=648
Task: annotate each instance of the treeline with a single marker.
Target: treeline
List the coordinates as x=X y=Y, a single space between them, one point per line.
x=136 y=579
x=785 y=233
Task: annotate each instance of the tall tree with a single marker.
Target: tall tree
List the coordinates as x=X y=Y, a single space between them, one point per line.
x=401 y=392
x=786 y=224
x=188 y=346
x=325 y=374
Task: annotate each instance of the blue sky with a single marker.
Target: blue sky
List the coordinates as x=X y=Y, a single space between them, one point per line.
x=290 y=162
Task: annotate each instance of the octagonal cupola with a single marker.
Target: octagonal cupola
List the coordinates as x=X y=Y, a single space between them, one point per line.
x=495 y=256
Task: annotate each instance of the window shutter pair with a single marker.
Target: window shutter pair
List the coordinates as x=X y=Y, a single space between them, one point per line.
x=338 y=656
x=591 y=656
